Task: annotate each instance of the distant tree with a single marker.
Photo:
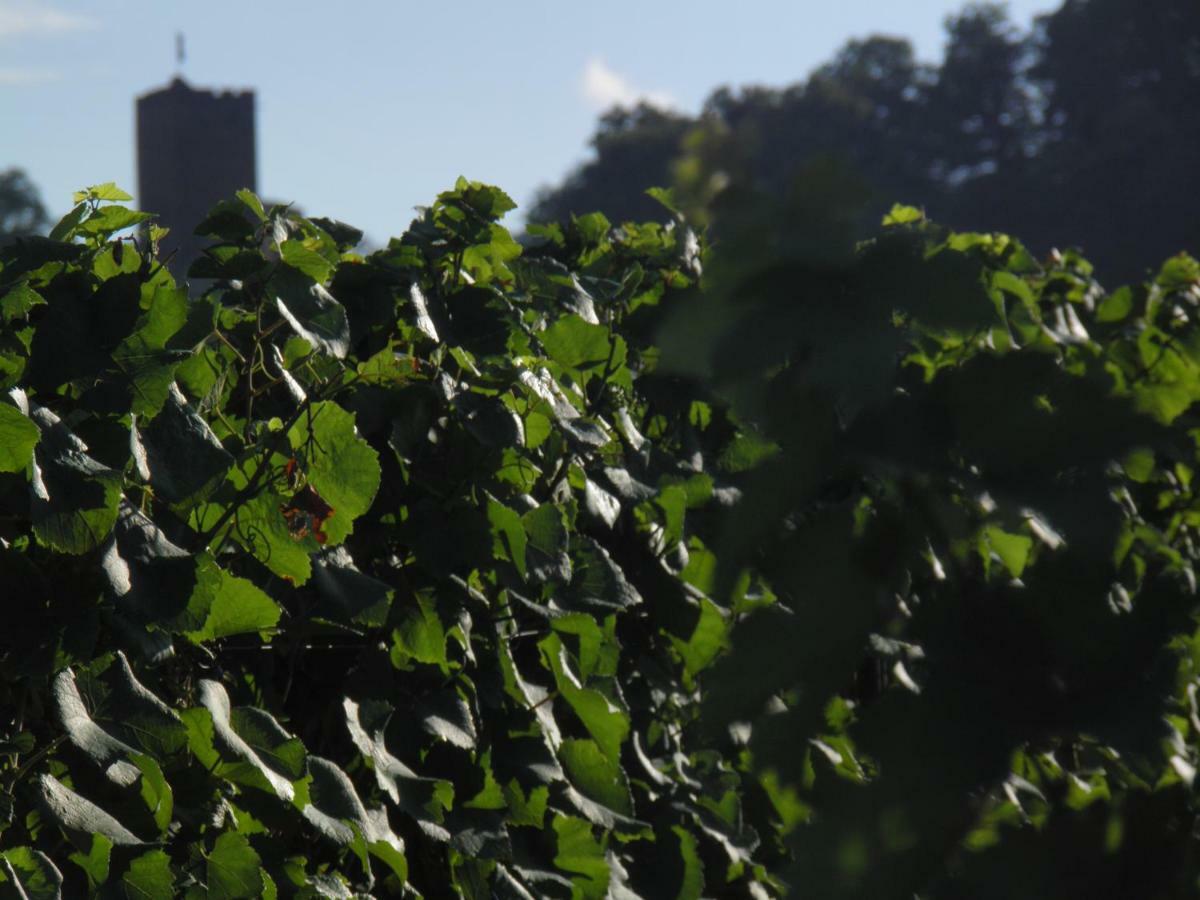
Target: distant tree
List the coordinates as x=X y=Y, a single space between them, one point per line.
x=978 y=129
x=865 y=107
x=634 y=149
x=837 y=146
x=978 y=108
x=21 y=209
x=860 y=109
x=1084 y=130
x=1121 y=84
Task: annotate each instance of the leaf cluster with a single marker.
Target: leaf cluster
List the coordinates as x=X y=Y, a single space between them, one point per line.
x=350 y=576
x=978 y=520
x=598 y=566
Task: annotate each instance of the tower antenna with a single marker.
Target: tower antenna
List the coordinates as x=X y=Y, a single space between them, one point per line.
x=180 y=53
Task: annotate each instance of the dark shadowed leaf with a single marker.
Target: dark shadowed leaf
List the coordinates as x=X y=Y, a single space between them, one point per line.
x=117 y=702
x=182 y=452
x=110 y=754
x=447 y=716
x=75 y=498
x=149 y=576
x=312 y=312
x=348 y=594
x=546 y=548
x=425 y=799
x=78 y=816
x=230 y=744
x=337 y=812
x=597 y=582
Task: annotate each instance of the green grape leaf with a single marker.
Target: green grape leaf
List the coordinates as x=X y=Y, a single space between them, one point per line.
x=233 y=869
x=583 y=348
x=1012 y=549
x=143 y=358
x=108 y=191
x=18 y=437
x=156 y=792
x=96 y=862
x=607 y=723
x=708 y=639
x=300 y=256
x=597 y=776
x=508 y=533
x=580 y=854
x=341 y=466
x=272 y=743
x=420 y=636
x=110 y=219
x=222 y=605
x=149 y=877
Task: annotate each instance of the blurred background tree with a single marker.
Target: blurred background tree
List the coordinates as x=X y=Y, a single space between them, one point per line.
x=1120 y=85
x=21 y=209
x=632 y=147
x=1081 y=130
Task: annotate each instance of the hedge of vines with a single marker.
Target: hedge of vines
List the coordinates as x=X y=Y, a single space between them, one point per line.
x=571 y=569
x=358 y=575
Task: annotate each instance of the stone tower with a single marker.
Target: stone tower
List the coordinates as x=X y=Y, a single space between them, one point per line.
x=194 y=147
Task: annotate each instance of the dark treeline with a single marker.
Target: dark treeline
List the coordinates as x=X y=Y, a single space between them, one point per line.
x=1085 y=129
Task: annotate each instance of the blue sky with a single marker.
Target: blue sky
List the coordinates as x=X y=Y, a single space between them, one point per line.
x=369 y=107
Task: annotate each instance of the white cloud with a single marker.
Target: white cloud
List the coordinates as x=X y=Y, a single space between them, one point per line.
x=604 y=88
x=20 y=77
x=22 y=17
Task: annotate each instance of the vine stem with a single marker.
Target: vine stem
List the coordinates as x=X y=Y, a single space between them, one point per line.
x=34 y=759
x=216 y=332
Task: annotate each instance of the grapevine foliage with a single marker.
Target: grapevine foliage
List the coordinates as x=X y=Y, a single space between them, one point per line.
x=350 y=576
x=980 y=676
x=468 y=568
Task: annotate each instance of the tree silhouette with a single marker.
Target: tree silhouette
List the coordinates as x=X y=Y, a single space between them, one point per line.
x=21 y=209
x=634 y=150
x=1082 y=130
x=1121 y=84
